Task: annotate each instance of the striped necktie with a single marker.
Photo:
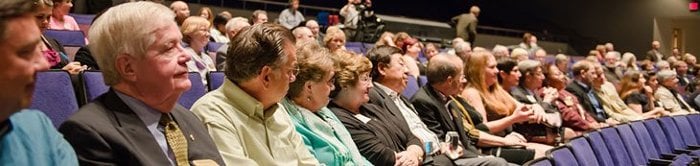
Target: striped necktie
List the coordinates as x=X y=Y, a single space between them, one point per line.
x=176 y=140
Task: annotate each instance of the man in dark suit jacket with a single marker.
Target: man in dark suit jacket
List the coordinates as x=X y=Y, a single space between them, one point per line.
x=654 y=54
x=465 y=24
x=527 y=92
x=584 y=74
x=138 y=121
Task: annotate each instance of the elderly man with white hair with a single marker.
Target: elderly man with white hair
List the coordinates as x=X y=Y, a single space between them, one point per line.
x=613 y=67
x=303 y=35
x=233 y=26
x=138 y=121
x=315 y=29
x=667 y=94
x=182 y=11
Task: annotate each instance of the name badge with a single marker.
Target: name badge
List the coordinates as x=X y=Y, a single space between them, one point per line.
x=531 y=98
x=362 y=118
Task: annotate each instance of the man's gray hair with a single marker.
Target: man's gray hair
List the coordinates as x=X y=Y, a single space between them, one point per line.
x=664 y=75
x=126 y=29
x=237 y=23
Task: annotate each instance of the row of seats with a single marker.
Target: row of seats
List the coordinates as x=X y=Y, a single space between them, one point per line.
x=59 y=97
x=669 y=140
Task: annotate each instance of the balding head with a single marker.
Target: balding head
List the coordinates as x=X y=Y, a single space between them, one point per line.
x=182 y=11
x=303 y=34
x=446 y=73
x=313 y=26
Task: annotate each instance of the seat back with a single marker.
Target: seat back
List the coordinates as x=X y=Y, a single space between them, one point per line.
x=196 y=91
x=562 y=156
x=686 y=130
x=630 y=142
x=600 y=149
x=644 y=139
x=542 y=161
x=672 y=133
x=583 y=151
x=54 y=95
x=67 y=38
x=215 y=79
x=694 y=120
x=214 y=46
x=617 y=149
x=658 y=136
x=93 y=85
x=411 y=87
x=422 y=80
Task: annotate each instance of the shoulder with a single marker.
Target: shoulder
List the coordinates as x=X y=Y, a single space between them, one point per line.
x=31 y=119
x=471 y=93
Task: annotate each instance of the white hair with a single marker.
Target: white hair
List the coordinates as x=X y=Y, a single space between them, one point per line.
x=126 y=29
x=237 y=23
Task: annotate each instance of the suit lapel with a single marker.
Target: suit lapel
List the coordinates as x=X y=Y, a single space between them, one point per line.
x=134 y=130
x=444 y=113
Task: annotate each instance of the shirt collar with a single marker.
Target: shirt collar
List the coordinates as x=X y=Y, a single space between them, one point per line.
x=147 y=114
x=387 y=90
x=246 y=103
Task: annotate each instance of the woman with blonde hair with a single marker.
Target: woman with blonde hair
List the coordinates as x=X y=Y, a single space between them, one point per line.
x=499 y=110
x=334 y=39
x=629 y=62
x=195 y=33
x=387 y=38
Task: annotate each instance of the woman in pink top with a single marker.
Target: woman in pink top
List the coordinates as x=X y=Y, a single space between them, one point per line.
x=60 y=20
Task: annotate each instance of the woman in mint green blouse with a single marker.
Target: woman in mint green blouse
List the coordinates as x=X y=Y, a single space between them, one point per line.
x=321 y=131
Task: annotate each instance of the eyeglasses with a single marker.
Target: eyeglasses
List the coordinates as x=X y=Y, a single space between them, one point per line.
x=366 y=78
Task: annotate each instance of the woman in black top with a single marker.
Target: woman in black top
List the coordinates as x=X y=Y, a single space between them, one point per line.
x=638 y=96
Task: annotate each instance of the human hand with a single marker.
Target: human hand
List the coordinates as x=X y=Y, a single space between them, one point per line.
x=550 y=94
x=514 y=139
x=538 y=114
x=521 y=113
x=406 y=158
x=74 y=68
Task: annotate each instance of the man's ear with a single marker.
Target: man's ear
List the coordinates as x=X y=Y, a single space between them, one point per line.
x=265 y=76
x=124 y=65
x=381 y=67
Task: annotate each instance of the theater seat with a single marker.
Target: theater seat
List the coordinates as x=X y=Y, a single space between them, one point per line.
x=617 y=149
x=93 y=85
x=582 y=150
x=196 y=91
x=215 y=79
x=562 y=156
x=411 y=87
x=422 y=80
x=600 y=149
x=54 y=95
x=543 y=161
x=67 y=38
x=214 y=46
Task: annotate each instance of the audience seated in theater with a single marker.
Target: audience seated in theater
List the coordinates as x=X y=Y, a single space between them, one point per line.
x=519 y=54
x=377 y=136
x=663 y=65
x=387 y=38
x=561 y=61
x=638 y=96
x=584 y=73
x=613 y=68
x=430 y=51
x=411 y=50
x=306 y=101
x=463 y=50
x=545 y=126
x=182 y=11
x=499 y=111
x=195 y=33
x=443 y=110
x=629 y=62
x=207 y=14
x=291 y=17
x=529 y=42
x=647 y=66
x=303 y=35
x=691 y=60
x=27 y=137
x=218 y=29
x=572 y=113
x=613 y=105
x=684 y=78
x=668 y=95
x=50 y=48
x=316 y=30
x=226 y=15
x=60 y=20
x=244 y=116
x=500 y=52
x=233 y=26
x=125 y=125
x=540 y=55
x=258 y=17
x=334 y=39
x=654 y=54
x=399 y=39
